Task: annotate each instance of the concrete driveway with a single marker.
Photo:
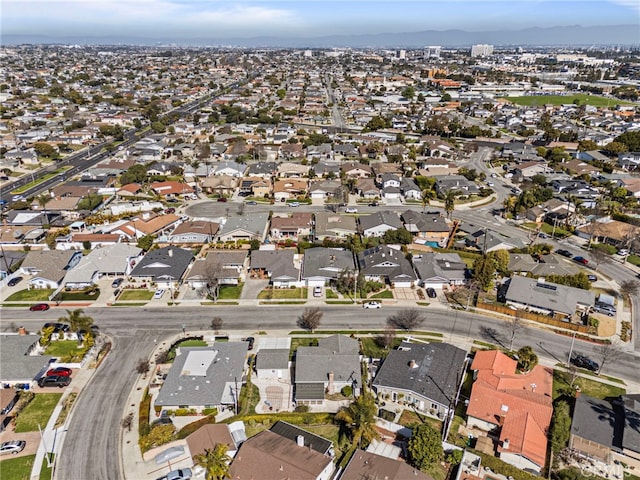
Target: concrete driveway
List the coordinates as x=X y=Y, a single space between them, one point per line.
x=252 y=288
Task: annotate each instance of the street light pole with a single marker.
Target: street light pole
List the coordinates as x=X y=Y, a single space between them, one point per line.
x=573 y=339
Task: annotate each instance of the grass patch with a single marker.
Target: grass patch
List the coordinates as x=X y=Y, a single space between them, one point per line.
x=423 y=304
x=81 y=296
x=593 y=388
x=37 y=412
x=285 y=302
x=383 y=294
x=132 y=304
x=45 y=471
x=338 y=302
x=371 y=349
x=581 y=98
x=411 y=417
x=230 y=292
x=283 y=293
x=67 y=349
x=634 y=260
x=329 y=294
x=605 y=247
x=33 y=295
x=301 y=342
x=135 y=294
x=194 y=343
x=40 y=180
x=486 y=345
x=17 y=468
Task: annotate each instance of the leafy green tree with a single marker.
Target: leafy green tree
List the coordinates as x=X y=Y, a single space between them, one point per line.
x=159 y=435
x=408 y=92
x=484 y=269
x=158 y=127
x=631 y=140
x=425 y=447
x=357 y=421
x=135 y=174
x=77 y=321
x=400 y=235
x=377 y=123
x=501 y=259
x=539 y=179
x=587 y=145
x=145 y=243
x=44 y=149
x=614 y=148
x=215 y=462
x=578 y=280
x=90 y=202
x=449 y=202
x=560 y=426
x=527 y=358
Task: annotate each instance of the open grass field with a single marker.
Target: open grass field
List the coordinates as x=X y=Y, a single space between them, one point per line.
x=37 y=412
x=582 y=98
x=33 y=295
x=17 y=468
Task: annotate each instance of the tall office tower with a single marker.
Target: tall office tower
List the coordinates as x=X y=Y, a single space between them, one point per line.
x=432 y=51
x=481 y=50
x=402 y=54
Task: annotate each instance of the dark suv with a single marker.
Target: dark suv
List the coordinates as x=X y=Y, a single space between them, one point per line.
x=54 y=381
x=581 y=361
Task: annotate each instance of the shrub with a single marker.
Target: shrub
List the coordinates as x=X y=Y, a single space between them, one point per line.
x=143 y=413
x=302 y=409
x=159 y=435
x=347 y=391
x=210 y=411
x=192 y=427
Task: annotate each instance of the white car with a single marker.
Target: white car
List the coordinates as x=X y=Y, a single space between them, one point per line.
x=623 y=252
x=317 y=291
x=13 y=447
x=158 y=294
x=351 y=210
x=372 y=305
x=293 y=204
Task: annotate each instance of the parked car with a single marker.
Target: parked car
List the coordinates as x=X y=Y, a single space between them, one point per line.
x=14 y=281
x=564 y=253
x=13 y=447
x=170 y=210
x=592 y=278
x=604 y=309
x=158 y=293
x=351 y=210
x=59 y=372
x=623 y=252
x=59 y=381
x=317 y=291
x=39 y=307
x=251 y=341
x=164 y=419
x=581 y=260
x=57 y=327
x=581 y=361
x=431 y=293
x=180 y=474
x=222 y=199
x=18 y=198
x=374 y=204
x=252 y=202
x=116 y=283
x=372 y=305
x=293 y=204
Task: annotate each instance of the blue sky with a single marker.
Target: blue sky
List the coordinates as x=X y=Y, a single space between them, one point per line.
x=184 y=19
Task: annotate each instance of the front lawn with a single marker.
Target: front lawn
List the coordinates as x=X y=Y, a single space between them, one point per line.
x=33 y=295
x=135 y=294
x=593 y=388
x=581 y=98
x=67 y=349
x=230 y=292
x=371 y=349
x=79 y=296
x=410 y=417
x=382 y=294
x=283 y=293
x=37 y=412
x=329 y=294
x=301 y=342
x=17 y=468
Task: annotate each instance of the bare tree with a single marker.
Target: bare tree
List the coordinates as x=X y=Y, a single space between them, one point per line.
x=386 y=338
x=127 y=422
x=629 y=287
x=310 y=319
x=598 y=256
x=241 y=208
x=608 y=352
x=211 y=278
x=406 y=319
x=574 y=373
x=514 y=325
x=162 y=357
x=143 y=366
x=216 y=324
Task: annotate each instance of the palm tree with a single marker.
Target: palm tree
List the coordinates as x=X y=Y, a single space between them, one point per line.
x=449 y=202
x=215 y=462
x=358 y=420
x=426 y=196
x=77 y=321
x=42 y=201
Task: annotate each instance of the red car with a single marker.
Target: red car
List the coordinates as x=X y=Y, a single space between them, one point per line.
x=59 y=372
x=39 y=307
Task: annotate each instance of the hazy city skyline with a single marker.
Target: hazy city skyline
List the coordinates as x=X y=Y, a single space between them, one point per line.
x=183 y=21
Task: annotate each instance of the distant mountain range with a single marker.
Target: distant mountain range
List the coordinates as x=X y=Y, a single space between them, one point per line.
x=573 y=35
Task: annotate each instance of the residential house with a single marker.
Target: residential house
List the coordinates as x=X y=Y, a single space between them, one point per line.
x=231 y=169
x=629 y=160
x=172 y=189
x=327 y=368
x=264 y=170
x=631 y=185
x=289 y=188
x=193 y=231
x=578 y=167
x=322 y=266
x=356 y=170
x=273 y=364
x=291 y=227
x=109 y=261
x=221 y=185
x=320 y=152
x=325 y=170
x=18 y=364
x=607 y=430
x=290 y=151
x=146 y=224
x=515 y=407
x=208 y=436
x=364 y=464
x=28 y=218
x=377 y=224
x=366 y=188
x=387 y=265
x=530 y=169
x=9 y=259
x=457 y=184
x=541 y=267
x=255 y=187
x=430 y=228
x=204 y=377
x=225 y=267
x=390 y=180
x=409 y=189
x=292 y=170
x=164 y=266
x=48 y=268
x=279 y=266
x=334 y=226
x=605 y=230
x=244 y=227
x=67 y=207
x=345 y=150
x=488 y=241
x=276 y=456
x=439 y=269
x=546 y=297
x=325 y=189
x=425 y=375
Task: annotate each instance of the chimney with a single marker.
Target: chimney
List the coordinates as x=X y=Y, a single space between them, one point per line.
x=330 y=388
x=22 y=331
x=300 y=440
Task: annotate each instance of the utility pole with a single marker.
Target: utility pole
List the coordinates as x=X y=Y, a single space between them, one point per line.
x=573 y=339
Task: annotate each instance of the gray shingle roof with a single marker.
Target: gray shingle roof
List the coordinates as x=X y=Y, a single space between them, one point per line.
x=447 y=266
x=163 y=263
x=279 y=263
x=272 y=359
x=311 y=440
x=15 y=363
x=326 y=262
x=435 y=374
x=204 y=375
x=550 y=296
x=385 y=262
x=313 y=364
x=391 y=219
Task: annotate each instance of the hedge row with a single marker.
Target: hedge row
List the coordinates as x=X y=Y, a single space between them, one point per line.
x=143 y=414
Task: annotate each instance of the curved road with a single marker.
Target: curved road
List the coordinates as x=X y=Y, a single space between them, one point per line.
x=91 y=447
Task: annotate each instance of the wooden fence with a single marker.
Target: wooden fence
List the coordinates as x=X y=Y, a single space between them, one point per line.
x=554 y=322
